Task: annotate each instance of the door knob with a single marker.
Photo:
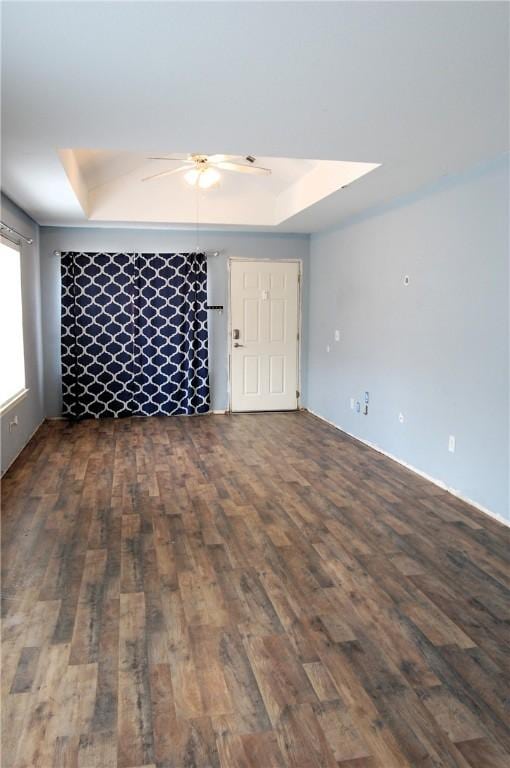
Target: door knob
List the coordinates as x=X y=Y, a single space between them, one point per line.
x=238 y=345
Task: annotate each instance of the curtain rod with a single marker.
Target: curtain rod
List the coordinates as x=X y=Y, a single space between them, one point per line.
x=206 y=253
x=6 y=228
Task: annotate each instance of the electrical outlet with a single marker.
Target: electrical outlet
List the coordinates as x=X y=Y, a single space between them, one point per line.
x=451 y=443
x=337 y=335
x=401 y=417
x=14 y=423
x=365 y=410
x=366 y=398
x=352 y=403
x=406 y=280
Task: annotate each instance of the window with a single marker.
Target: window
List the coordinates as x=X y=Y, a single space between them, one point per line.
x=12 y=380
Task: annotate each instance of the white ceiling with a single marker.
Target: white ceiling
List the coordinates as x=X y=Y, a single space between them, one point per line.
x=421 y=88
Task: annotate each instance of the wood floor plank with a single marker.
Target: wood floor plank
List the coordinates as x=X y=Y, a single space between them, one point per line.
x=25 y=671
x=249 y=714
x=106 y=705
x=206 y=644
x=135 y=735
x=245 y=591
x=281 y=678
x=483 y=753
x=186 y=690
x=321 y=681
x=87 y=623
x=36 y=743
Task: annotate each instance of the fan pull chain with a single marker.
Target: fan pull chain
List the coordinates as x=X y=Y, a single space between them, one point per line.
x=198 y=217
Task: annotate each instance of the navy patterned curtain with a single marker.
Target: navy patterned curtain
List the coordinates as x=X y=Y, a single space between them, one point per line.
x=97 y=340
x=134 y=334
x=171 y=349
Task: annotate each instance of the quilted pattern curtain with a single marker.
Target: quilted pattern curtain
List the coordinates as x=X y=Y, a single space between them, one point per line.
x=134 y=334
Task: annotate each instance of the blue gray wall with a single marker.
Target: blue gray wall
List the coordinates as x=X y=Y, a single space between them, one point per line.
x=245 y=245
x=437 y=350
x=30 y=411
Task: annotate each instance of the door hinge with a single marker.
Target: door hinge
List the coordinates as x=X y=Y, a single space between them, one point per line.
x=297 y=394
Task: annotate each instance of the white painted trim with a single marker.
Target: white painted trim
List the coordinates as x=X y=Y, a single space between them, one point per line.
x=419 y=472
x=15 y=400
x=221 y=411
x=22 y=448
x=299 y=262
x=229 y=334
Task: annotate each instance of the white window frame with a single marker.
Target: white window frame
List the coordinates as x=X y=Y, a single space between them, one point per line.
x=17 y=397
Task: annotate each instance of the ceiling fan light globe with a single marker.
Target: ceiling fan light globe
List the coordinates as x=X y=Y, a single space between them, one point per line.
x=191 y=176
x=208 y=177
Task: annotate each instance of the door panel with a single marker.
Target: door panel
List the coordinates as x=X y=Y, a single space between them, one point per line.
x=264 y=353
x=251 y=320
x=277 y=374
x=277 y=309
x=251 y=378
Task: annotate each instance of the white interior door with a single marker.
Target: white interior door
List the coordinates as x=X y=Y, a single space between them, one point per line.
x=264 y=306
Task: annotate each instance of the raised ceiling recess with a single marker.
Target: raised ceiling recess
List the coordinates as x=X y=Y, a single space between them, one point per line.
x=112 y=187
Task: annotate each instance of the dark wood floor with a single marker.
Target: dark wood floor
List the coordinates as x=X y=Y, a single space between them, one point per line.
x=254 y=591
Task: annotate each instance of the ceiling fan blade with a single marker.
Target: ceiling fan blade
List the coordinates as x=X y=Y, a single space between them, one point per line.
x=253 y=169
x=166 y=173
x=217 y=158
x=173 y=159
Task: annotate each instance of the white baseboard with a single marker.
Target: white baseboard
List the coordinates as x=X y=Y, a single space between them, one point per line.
x=419 y=472
x=22 y=448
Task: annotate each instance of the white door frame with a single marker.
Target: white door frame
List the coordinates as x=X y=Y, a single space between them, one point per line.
x=299 y=262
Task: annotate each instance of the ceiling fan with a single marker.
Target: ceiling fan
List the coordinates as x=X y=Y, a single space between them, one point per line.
x=202 y=170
